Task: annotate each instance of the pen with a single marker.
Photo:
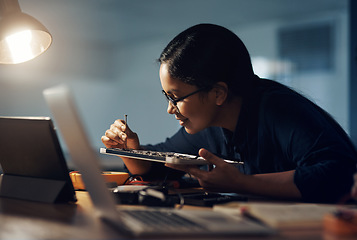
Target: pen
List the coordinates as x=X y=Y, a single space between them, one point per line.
x=246 y=213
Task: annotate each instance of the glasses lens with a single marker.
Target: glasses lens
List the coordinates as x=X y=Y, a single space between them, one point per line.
x=170 y=100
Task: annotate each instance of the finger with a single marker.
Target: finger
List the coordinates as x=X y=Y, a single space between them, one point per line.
x=117 y=133
x=180 y=167
x=114 y=136
x=120 y=124
x=193 y=170
x=210 y=157
x=115 y=128
x=105 y=139
x=108 y=142
x=198 y=173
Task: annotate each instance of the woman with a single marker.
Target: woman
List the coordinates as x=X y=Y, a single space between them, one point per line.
x=290 y=147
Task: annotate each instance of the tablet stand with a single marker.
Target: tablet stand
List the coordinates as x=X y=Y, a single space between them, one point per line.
x=33 y=189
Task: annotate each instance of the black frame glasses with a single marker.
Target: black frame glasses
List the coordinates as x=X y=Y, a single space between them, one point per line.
x=175 y=101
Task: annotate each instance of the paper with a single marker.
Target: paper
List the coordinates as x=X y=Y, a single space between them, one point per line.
x=281 y=215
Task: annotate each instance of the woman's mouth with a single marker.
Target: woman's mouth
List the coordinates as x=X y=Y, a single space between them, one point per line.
x=182 y=121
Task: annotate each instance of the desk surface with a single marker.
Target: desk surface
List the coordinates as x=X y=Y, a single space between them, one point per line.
x=31 y=220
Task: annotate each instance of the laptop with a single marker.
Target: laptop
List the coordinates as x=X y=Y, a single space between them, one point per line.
x=136 y=222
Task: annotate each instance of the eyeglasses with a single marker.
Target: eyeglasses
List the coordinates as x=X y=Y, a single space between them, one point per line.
x=175 y=101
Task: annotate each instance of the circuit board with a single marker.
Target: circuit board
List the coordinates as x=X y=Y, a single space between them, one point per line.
x=164 y=157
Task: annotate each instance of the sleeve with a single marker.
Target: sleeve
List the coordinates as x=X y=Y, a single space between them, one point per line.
x=181 y=142
x=324 y=156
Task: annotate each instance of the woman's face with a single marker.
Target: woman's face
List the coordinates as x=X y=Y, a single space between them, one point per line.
x=197 y=111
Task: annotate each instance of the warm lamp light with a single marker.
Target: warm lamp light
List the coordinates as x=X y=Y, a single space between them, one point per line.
x=22 y=37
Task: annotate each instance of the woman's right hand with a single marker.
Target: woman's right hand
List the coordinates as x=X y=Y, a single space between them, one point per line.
x=119 y=135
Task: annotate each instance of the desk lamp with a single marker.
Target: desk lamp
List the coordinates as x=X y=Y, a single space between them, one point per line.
x=22 y=37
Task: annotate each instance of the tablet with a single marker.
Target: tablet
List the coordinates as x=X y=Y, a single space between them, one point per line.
x=32 y=161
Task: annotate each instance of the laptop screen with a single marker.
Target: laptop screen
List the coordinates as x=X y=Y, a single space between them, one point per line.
x=67 y=119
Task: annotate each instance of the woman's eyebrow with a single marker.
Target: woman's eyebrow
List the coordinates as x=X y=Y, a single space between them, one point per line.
x=171 y=91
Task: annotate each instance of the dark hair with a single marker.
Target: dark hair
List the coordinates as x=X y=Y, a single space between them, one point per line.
x=205 y=54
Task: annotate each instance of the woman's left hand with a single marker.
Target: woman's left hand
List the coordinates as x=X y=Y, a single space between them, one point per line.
x=223 y=178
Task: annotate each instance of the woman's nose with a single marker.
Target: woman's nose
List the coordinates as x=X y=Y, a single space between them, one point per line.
x=171 y=108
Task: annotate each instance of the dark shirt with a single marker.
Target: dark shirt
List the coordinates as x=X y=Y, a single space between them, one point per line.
x=280 y=130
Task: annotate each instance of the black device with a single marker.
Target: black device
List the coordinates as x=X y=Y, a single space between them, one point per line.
x=32 y=161
x=207 y=199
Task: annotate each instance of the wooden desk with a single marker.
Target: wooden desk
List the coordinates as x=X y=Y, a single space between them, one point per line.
x=31 y=220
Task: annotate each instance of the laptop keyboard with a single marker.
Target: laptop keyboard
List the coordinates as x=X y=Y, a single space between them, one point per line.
x=159 y=220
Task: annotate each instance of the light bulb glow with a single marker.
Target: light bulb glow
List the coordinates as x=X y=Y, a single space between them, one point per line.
x=20 y=46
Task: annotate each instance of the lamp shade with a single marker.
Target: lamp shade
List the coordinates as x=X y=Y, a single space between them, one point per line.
x=22 y=37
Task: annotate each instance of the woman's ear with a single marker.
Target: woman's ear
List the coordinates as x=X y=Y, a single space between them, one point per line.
x=221 y=91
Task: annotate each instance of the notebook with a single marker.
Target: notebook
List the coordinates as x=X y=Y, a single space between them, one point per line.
x=147 y=222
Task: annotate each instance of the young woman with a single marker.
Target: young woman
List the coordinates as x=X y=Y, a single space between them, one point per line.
x=290 y=147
